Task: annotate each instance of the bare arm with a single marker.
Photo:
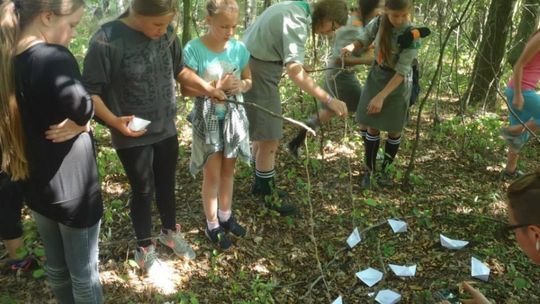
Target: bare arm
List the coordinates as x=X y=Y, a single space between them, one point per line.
x=301 y=78
x=193 y=85
x=65 y=131
x=531 y=49
x=120 y=123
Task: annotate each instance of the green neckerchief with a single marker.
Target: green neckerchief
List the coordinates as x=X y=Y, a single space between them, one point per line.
x=303 y=4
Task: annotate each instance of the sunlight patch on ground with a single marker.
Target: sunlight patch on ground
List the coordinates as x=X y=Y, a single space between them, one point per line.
x=260 y=267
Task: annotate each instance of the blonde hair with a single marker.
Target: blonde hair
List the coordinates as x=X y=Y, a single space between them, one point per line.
x=214 y=7
x=14 y=17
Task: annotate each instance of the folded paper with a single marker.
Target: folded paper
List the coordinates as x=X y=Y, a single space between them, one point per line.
x=398 y=226
x=369 y=276
x=354 y=238
x=138 y=124
x=479 y=270
x=387 y=296
x=451 y=243
x=403 y=271
x=339 y=300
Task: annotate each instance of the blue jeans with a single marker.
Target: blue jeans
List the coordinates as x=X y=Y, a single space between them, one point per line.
x=72 y=260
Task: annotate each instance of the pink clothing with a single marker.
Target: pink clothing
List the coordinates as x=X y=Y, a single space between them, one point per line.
x=531 y=74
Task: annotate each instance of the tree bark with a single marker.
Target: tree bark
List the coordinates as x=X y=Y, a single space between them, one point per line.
x=530 y=16
x=487 y=64
x=186 y=22
x=251 y=12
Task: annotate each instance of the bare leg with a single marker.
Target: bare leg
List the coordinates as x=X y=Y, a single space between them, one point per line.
x=12 y=246
x=210 y=186
x=226 y=184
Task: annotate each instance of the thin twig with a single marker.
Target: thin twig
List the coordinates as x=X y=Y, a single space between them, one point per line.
x=258 y=107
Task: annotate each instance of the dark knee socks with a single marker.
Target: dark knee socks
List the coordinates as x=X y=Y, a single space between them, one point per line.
x=264 y=182
x=390 y=150
x=371 y=147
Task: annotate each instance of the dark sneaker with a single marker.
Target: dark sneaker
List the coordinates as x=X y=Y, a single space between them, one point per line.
x=512 y=176
x=232 y=226
x=24 y=265
x=516 y=142
x=384 y=179
x=277 y=202
x=365 y=182
x=218 y=236
x=296 y=142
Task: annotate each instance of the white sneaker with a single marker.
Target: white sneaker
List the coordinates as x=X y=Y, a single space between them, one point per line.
x=176 y=241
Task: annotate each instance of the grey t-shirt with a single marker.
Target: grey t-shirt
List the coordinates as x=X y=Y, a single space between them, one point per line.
x=280 y=33
x=135 y=75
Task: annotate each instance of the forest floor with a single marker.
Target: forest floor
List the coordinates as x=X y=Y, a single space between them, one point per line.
x=456 y=189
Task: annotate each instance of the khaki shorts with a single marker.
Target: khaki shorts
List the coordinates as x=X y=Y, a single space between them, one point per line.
x=265 y=93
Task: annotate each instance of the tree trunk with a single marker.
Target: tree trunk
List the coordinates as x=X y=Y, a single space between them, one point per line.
x=487 y=64
x=530 y=16
x=251 y=12
x=186 y=22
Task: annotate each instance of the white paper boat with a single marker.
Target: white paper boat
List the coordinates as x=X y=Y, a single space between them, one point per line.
x=339 y=300
x=354 y=238
x=387 y=296
x=369 y=276
x=138 y=124
x=398 y=226
x=452 y=244
x=403 y=271
x=479 y=270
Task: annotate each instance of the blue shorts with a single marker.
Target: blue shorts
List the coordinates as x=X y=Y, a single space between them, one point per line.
x=531 y=107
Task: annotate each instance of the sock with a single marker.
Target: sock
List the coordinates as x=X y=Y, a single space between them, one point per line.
x=372 y=147
x=265 y=181
x=390 y=150
x=224 y=215
x=212 y=224
x=144 y=244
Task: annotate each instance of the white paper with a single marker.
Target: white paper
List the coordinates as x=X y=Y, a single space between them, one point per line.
x=403 y=271
x=369 y=276
x=354 y=238
x=479 y=270
x=387 y=296
x=451 y=243
x=339 y=300
x=138 y=124
x=398 y=226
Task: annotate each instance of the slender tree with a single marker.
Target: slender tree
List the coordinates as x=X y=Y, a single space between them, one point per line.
x=186 y=22
x=487 y=64
x=530 y=17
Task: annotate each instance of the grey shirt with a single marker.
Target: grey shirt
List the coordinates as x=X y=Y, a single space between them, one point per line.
x=403 y=59
x=280 y=33
x=135 y=75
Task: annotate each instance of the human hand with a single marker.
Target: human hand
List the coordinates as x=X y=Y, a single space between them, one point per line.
x=375 y=105
x=230 y=84
x=406 y=39
x=65 y=131
x=339 y=107
x=121 y=124
x=477 y=296
x=517 y=102
x=347 y=50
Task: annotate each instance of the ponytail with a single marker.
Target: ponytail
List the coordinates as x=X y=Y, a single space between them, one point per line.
x=11 y=132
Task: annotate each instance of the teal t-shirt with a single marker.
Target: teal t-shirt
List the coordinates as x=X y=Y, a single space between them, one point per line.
x=212 y=66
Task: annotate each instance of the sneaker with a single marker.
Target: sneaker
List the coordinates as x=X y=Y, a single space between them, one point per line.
x=365 y=182
x=176 y=241
x=296 y=142
x=218 y=236
x=146 y=258
x=232 y=226
x=516 y=142
x=277 y=203
x=24 y=265
x=384 y=179
x=511 y=176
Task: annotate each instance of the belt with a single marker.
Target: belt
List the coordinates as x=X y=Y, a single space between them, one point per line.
x=274 y=62
x=384 y=68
